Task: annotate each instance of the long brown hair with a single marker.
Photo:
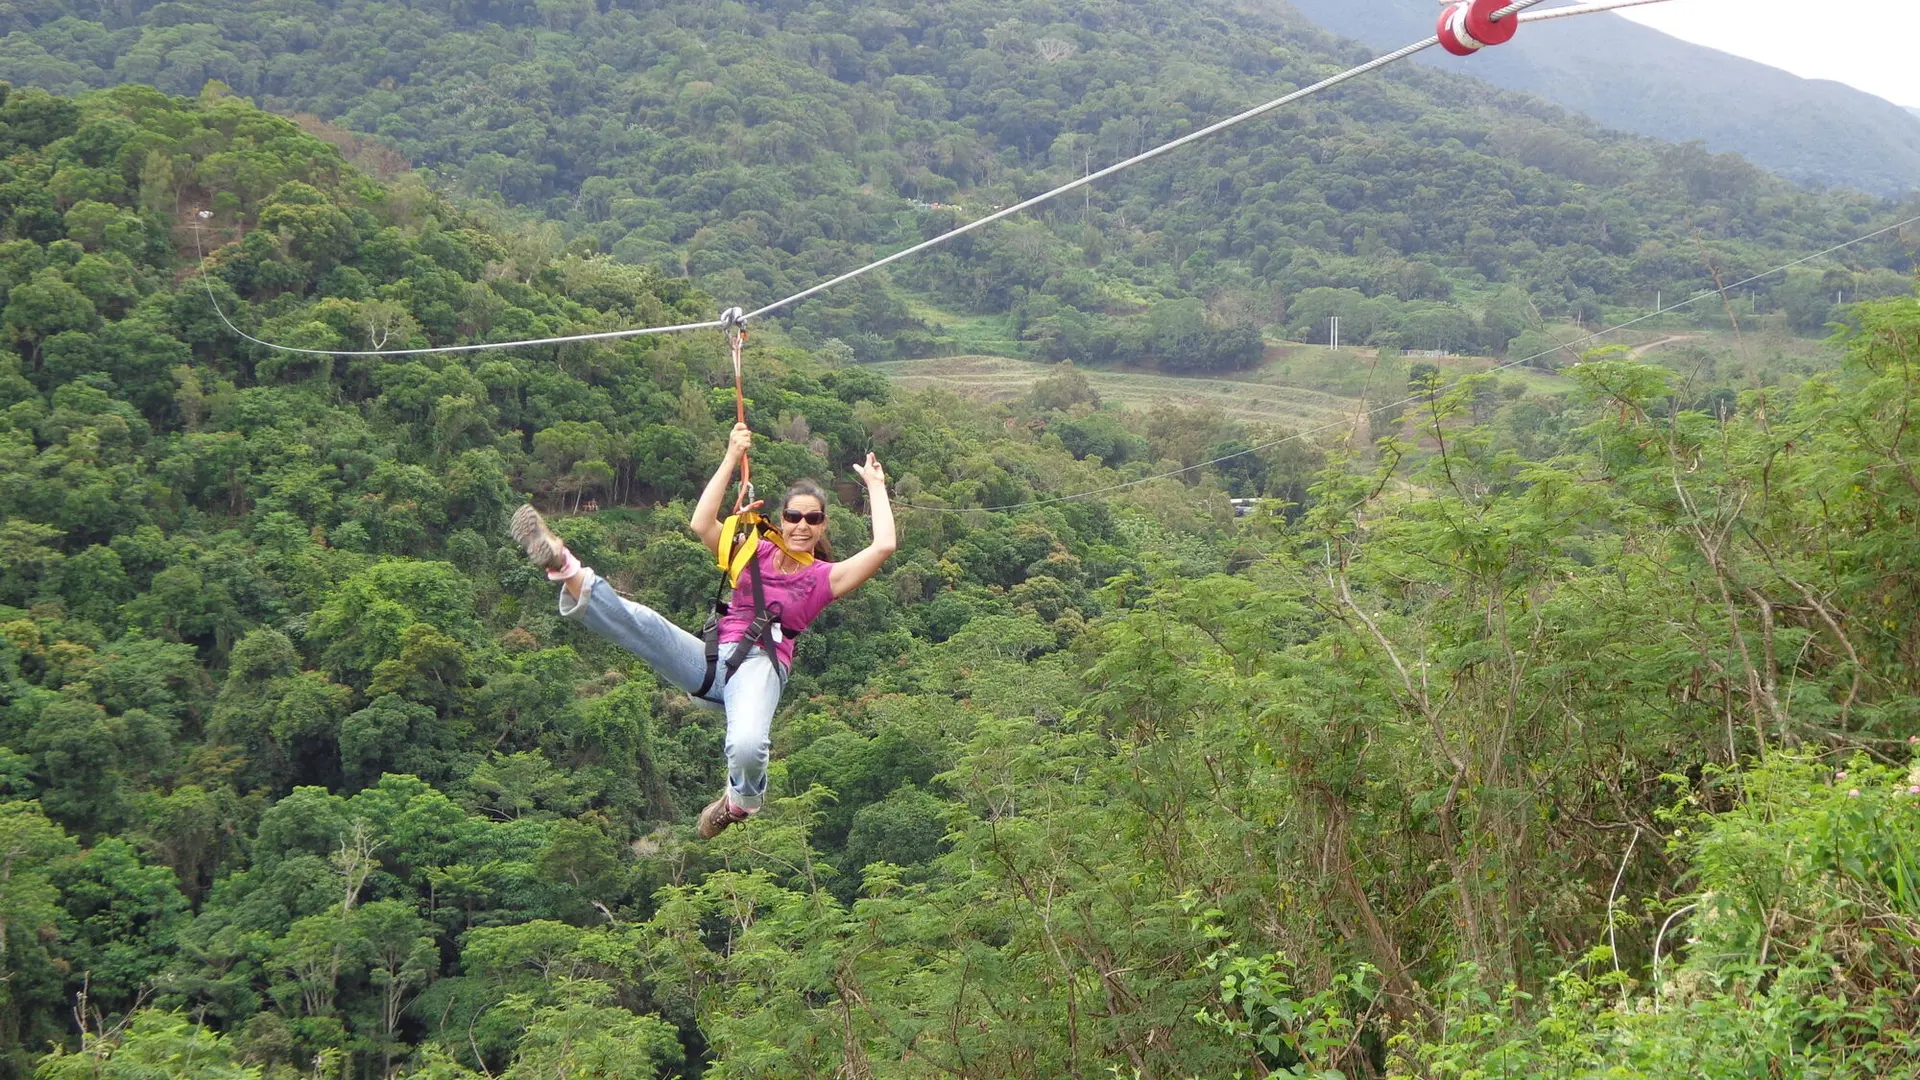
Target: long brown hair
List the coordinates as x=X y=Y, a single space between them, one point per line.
x=823 y=547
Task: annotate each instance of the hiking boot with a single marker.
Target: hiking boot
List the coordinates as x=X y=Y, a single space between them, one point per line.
x=529 y=530
x=719 y=814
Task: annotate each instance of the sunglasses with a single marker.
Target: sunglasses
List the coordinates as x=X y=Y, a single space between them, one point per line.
x=811 y=517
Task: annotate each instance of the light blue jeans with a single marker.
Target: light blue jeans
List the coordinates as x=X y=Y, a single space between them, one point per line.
x=749 y=698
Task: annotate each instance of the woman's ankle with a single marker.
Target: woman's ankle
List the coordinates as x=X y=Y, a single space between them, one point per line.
x=567 y=569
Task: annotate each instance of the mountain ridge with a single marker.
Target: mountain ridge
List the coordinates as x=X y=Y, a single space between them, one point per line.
x=758 y=149
x=1637 y=79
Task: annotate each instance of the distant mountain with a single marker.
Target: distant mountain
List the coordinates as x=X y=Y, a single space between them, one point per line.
x=1637 y=79
x=1913 y=110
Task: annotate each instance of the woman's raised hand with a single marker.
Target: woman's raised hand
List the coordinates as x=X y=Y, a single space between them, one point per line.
x=850 y=573
x=739 y=442
x=871 y=472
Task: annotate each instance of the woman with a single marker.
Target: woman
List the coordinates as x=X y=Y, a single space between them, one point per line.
x=802 y=589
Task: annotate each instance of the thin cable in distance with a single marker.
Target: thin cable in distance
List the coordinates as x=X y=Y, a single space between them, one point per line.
x=1585 y=9
x=1298 y=435
x=604 y=335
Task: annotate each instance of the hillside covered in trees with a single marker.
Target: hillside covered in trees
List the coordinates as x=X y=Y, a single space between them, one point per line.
x=1553 y=735
x=758 y=148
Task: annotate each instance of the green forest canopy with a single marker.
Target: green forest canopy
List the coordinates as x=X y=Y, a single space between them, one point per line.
x=759 y=148
x=300 y=772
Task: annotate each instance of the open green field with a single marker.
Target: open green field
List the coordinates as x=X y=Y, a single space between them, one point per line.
x=997 y=378
x=1362 y=372
x=984 y=335
x=1302 y=386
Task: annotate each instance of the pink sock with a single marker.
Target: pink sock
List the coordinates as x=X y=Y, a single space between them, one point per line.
x=567 y=569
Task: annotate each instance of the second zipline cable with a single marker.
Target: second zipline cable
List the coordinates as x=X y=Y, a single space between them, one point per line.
x=1323 y=428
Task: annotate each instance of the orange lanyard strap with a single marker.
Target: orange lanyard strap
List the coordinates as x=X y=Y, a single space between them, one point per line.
x=733 y=321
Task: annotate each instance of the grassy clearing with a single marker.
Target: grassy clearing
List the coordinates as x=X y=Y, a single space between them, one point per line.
x=1536 y=380
x=1358 y=372
x=981 y=335
x=996 y=378
x=1304 y=386
x=1348 y=372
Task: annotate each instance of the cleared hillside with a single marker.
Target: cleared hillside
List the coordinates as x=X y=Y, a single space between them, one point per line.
x=999 y=379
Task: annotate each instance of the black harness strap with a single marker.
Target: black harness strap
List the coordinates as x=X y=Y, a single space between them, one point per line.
x=759 y=632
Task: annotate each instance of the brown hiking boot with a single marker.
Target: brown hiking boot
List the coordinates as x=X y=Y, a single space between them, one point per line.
x=719 y=814
x=529 y=530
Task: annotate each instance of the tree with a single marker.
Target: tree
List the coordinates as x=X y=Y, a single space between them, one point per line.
x=1506 y=316
x=904 y=829
x=1062 y=390
x=402 y=959
x=154 y=1043
x=85 y=758
x=314 y=230
x=194 y=831
x=45 y=306
x=122 y=921
x=30 y=847
x=365 y=620
x=380 y=737
x=93 y=584
x=181 y=605
x=521 y=785
x=582 y=1034
x=33 y=118
x=26 y=556
x=1244 y=470
x=581 y=858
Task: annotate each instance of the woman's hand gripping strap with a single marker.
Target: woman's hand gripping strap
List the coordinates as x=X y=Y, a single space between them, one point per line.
x=734 y=322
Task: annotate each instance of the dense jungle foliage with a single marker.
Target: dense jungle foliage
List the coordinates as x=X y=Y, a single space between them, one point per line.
x=758 y=148
x=1551 y=736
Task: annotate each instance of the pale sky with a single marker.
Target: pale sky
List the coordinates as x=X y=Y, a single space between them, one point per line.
x=1867 y=44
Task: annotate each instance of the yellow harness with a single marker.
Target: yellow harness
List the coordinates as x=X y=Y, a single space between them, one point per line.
x=740 y=537
x=738 y=553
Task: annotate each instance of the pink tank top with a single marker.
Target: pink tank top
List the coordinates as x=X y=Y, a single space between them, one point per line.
x=802 y=597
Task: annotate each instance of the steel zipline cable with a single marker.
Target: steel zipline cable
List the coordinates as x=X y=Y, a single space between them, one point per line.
x=604 y=335
x=733 y=320
x=1517 y=10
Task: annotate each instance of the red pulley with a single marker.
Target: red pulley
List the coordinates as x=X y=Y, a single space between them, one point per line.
x=1480 y=23
x=1453 y=31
